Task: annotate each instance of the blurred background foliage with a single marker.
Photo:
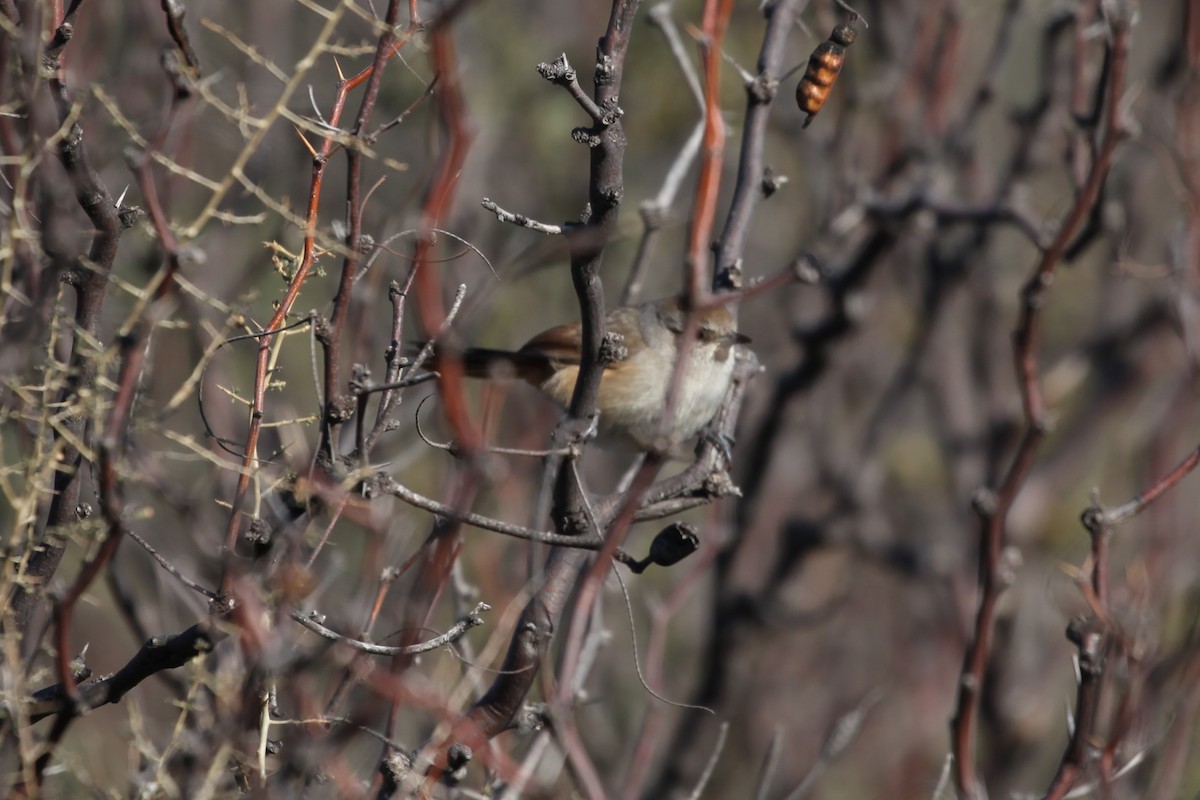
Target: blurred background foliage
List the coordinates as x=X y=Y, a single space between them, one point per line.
x=848 y=573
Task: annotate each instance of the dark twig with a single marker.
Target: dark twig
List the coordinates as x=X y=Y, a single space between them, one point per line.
x=88 y=276
x=368 y=388
x=386 y=485
x=331 y=417
x=175 y=12
x=171 y=568
x=1097 y=516
x=760 y=93
x=158 y=654
x=561 y=73
x=394 y=357
x=993 y=507
x=460 y=628
x=519 y=219
x=1092 y=643
x=112 y=507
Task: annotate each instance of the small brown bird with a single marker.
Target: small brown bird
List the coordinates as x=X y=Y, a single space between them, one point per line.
x=633 y=390
x=823 y=67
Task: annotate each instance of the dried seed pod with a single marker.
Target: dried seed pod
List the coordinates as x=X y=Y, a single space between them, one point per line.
x=823 y=67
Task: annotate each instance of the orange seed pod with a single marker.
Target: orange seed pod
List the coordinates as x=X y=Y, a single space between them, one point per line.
x=823 y=67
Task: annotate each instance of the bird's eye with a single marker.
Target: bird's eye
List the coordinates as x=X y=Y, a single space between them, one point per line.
x=708 y=335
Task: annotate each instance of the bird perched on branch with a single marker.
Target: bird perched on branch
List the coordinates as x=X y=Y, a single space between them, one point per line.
x=635 y=383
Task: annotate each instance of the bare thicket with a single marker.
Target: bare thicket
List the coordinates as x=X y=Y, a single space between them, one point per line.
x=262 y=536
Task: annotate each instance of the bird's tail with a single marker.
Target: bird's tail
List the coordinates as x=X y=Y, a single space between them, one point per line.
x=482 y=362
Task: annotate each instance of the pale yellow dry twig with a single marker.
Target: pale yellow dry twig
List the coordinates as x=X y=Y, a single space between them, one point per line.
x=235 y=172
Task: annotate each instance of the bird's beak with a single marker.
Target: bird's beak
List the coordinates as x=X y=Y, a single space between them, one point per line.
x=739 y=338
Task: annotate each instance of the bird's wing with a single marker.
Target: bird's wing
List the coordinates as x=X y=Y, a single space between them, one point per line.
x=559 y=345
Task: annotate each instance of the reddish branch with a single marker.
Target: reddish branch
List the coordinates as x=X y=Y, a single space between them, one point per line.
x=699 y=274
x=708 y=185
x=993 y=508
x=1094 y=639
x=304 y=268
x=427 y=285
x=1142 y=499
x=443 y=545
x=1092 y=642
